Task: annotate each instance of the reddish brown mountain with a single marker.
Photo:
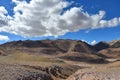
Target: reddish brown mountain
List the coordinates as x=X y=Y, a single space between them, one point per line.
x=52 y=46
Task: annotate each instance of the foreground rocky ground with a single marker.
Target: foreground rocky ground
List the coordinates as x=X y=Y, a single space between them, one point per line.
x=68 y=70
x=16 y=72
x=96 y=75
x=109 y=71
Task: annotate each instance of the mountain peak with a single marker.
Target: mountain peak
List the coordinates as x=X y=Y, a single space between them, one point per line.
x=101 y=45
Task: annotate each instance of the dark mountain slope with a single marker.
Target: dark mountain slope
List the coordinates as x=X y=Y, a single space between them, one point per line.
x=101 y=45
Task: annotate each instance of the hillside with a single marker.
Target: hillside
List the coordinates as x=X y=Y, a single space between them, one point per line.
x=58 y=59
x=50 y=47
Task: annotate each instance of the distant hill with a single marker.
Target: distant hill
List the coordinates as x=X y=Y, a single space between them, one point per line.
x=115 y=44
x=101 y=45
x=112 y=49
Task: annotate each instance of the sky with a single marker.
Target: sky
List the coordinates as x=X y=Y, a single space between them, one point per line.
x=88 y=20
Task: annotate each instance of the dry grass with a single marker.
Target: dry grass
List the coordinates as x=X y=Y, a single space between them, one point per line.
x=56 y=68
x=24 y=57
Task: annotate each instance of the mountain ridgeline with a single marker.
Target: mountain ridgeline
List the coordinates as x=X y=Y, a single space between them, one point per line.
x=62 y=46
x=66 y=47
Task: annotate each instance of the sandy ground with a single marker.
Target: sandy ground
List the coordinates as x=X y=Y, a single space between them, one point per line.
x=109 y=71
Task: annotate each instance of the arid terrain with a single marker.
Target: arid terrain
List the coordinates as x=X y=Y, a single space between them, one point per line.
x=59 y=60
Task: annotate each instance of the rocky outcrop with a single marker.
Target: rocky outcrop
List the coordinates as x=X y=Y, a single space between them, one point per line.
x=16 y=72
x=2 y=52
x=96 y=75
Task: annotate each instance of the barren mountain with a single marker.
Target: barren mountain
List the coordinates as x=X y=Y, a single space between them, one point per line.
x=111 y=49
x=65 y=49
x=115 y=44
x=51 y=46
x=68 y=49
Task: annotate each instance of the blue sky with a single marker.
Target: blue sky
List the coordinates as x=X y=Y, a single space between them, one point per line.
x=92 y=7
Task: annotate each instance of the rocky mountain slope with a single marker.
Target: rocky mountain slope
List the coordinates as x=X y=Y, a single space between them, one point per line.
x=60 y=45
x=63 y=47
x=59 y=60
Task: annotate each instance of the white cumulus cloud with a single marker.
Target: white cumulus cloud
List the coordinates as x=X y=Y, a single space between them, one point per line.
x=3 y=18
x=4 y=38
x=45 y=18
x=93 y=42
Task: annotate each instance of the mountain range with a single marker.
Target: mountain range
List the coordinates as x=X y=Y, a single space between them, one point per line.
x=67 y=49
